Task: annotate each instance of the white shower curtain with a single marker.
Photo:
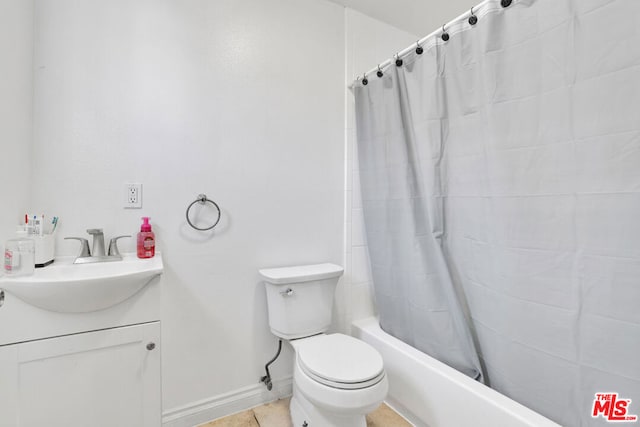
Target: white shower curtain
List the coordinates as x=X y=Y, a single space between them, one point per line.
x=500 y=176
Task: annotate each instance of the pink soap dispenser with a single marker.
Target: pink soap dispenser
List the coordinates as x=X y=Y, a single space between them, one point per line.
x=146 y=240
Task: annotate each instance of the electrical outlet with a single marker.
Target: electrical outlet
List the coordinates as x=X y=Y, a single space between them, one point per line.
x=132 y=196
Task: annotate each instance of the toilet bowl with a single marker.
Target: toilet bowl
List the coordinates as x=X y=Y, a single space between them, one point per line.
x=337 y=379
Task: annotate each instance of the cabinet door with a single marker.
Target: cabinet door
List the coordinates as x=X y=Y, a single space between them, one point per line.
x=105 y=378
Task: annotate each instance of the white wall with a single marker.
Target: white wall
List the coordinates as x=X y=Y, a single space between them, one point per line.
x=16 y=89
x=419 y=17
x=368 y=43
x=240 y=99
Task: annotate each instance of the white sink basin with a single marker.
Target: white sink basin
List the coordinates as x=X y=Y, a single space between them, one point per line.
x=81 y=288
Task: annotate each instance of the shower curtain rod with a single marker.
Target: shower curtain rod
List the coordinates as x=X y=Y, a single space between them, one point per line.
x=452 y=27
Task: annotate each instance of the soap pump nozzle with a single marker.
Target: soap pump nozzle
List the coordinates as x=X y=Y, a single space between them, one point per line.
x=145 y=224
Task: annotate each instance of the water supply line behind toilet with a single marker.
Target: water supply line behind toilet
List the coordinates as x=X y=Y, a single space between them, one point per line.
x=267 y=378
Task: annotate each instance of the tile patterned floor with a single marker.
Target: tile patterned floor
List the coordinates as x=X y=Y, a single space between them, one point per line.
x=276 y=414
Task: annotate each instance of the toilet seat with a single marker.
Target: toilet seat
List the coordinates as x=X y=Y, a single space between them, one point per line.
x=340 y=361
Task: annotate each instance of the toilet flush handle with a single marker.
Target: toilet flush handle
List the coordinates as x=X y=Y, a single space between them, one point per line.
x=287 y=292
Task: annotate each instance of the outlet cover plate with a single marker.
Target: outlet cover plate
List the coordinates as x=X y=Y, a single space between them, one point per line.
x=132 y=195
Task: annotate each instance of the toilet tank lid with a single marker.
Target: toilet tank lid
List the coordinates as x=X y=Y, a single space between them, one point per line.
x=300 y=273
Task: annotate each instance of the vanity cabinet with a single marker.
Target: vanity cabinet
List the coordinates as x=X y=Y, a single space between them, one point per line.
x=104 y=378
x=80 y=345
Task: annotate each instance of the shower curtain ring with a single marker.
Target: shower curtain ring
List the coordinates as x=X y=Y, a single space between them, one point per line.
x=419 y=48
x=379 y=73
x=364 y=79
x=473 y=19
x=445 y=35
x=398 y=60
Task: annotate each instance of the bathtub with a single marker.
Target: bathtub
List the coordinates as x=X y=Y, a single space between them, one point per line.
x=431 y=394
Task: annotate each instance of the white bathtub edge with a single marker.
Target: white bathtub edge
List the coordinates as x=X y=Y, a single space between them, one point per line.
x=494 y=409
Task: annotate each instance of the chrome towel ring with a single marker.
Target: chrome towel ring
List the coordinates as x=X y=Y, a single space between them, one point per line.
x=202 y=199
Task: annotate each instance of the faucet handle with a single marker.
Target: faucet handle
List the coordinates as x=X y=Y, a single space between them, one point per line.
x=84 y=246
x=113 y=246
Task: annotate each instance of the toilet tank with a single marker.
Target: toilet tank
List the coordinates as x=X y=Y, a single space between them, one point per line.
x=300 y=299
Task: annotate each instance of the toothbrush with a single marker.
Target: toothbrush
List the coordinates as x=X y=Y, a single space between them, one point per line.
x=42 y=225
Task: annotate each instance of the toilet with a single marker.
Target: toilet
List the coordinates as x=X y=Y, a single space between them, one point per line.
x=337 y=379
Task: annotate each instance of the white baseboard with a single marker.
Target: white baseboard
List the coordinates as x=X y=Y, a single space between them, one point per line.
x=205 y=410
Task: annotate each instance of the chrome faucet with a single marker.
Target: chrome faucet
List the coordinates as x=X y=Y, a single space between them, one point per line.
x=97 y=249
x=96 y=254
